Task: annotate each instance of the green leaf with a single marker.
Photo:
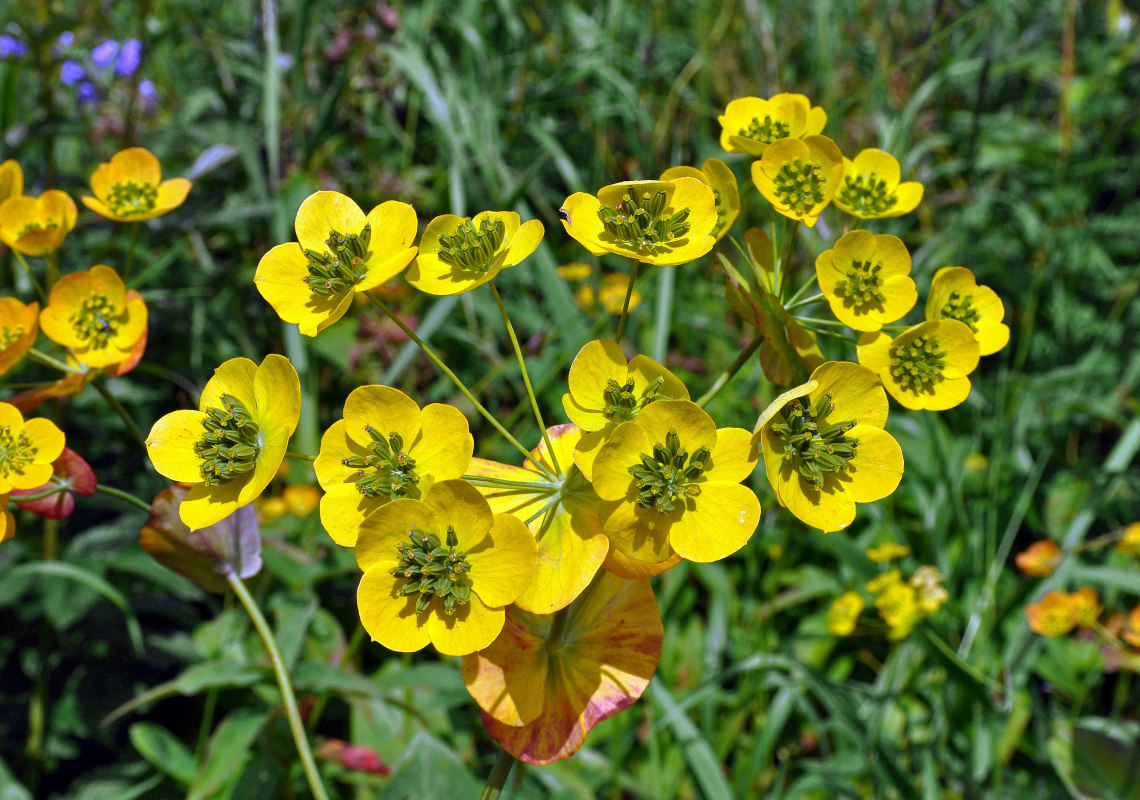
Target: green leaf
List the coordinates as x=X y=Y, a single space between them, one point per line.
x=429 y=768
x=705 y=766
x=226 y=754
x=163 y=750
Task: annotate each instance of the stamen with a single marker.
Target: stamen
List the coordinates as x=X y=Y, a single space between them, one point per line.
x=96 y=321
x=961 y=307
x=669 y=475
x=470 y=249
x=130 y=199
x=814 y=446
x=917 y=365
x=799 y=185
x=867 y=194
x=862 y=285
x=638 y=222
x=16 y=452
x=230 y=446
x=38 y=225
x=766 y=131
x=8 y=336
x=433 y=569
x=393 y=472
x=621 y=403
x=342 y=265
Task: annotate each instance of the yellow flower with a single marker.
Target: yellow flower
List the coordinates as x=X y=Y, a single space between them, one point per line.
x=575 y=271
x=36 y=226
x=130 y=188
x=384 y=449
x=459 y=253
x=930 y=593
x=340 y=252
x=230 y=449
x=828 y=451
x=898 y=606
x=750 y=124
x=1053 y=615
x=7 y=520
x=672 y=480
x=1131 y=633
x=19 y=325
x=655 y=222
x=955 y=294
x=871 y=188
x=11 y=180
x=441 y=570
x=611 y=295
x=844 y=613
x=1129 y=543
x=1039 y=559
x=883 y=582
x=866 y=280
x=27 y=450
x=926 y=366
x=888 y=551
x=91 y=313
x=716 y=175
x=1086 y=606
x=799 y=176
x=606 y=390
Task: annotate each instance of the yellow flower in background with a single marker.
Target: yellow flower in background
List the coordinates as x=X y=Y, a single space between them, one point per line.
x=1053 y=615
x=750 y=124
x=844 y=613
x=655 y=222
x=27 y=450
x=927 y=583
x=19 y=325
x=871 y=188
x=11 y=180
x=799 y=176
x=36 y=226
x=1131 y=633
x=866 y=280
x=91 y=313
x=927 y=366
x=231 y=447
x=672 y=480
x=575 y=271
x=130 y=188
x=955 y=294
x=441 y=570
x=888 y=551
x=1086 y=606
x=459 y=253
x=827 y=451
x=7 y=520
x=385 y=449
x=880 y=583
x=898 y=606
x=1039 y=559
x=716 y=175
x=611 y=295
x=339 y=252
x=1129 y=543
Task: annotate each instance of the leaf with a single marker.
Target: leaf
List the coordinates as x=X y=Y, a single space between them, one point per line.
x=227 y=753
x=163 y=750
x=429 y=768
x=699 y=754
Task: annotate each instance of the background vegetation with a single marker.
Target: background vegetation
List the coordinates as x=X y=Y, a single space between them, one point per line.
x=1019 y=116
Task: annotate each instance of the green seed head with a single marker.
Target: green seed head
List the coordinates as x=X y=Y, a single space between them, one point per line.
x=799 y=185
x=342 y=265
x=230 y=445
x=96 y=320
x=766 y=131
x=961 y=307
x=16 y=452
x=389 y=472
x=669 y=475
x=862 y=288
x=813 y=445
x=473 y=249
x=130 y=199
x=918 y=364
x=431 y=569
x=638 y=221
x=868 y=194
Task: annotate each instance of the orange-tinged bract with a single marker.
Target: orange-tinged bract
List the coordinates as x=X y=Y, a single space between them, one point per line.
x=384 y=449
x=231 y=447
x=130 y=188
x=459 y=253
x=441 y=570
x=19 y=325
x=866 y=280
x=27 y=449
x=655 y=222
x=91 y=313
x=826 y=451
x=339 y=252
x=955 y=294
x=927 y=366
x=871 y=188
x=750 y=124
x=799 y=177
x=36 y=226
x=715 y=174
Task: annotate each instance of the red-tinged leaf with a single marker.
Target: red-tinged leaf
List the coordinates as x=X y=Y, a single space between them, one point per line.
x=354 y=757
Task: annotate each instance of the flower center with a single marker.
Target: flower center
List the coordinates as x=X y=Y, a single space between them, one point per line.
x=130 y=199
x=48 y=224
x=431 y=569
x=799 y=185
x=961 y=307
x=96 y=320
x=342 y=265
x=16 y=452
x=669 y=475
x=917 y=365
x=814 y=446
x=9 y=335
x=621 y=403
x=638 y=221
x=861 y=287
x=393 y=473
x=230 y=445
x=766 y=131
x=472 y=249
x=721 y=214
x=868 y=194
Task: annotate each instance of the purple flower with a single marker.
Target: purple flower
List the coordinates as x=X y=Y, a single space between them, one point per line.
x=66 y=39
x=147 y=90
x=11 y=46
x=129 y=57
x=71 y=73
x=104 y=55
x=87 y=92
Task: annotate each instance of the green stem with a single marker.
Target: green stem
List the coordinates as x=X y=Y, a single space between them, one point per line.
x=810 y=282
x=128 y=420
x=44 y=358
x=505 y=483
x=724 y=377
x=625 y=305
x=131 y=251
x=786 y=258
x=459 y=384
x=757 y=272
x=526 y=377
x=288 y=700
x=815 y=298
x=494 y=786
x=299 y=456
x=128 y=497
x=31 y=275
x=51 y=274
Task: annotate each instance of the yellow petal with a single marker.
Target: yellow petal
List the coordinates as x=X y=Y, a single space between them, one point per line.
x=524 y=242
x=170 y=445
x=611 y=476
x=459 y=504
x=388 y=617
x=720 y=523
x=508 y=679
x=502 y=571
x=694 y=427
x=233 y=377
x=626 y=568
x=881 y=163
x=596 y=364
x=878 y=465
x=381 y=532
x=472 y=627
x=46 y=438
x=171 y=194
x=384 y=409
x=204 y=505
x=137 y=164
x=640 y=533
x=583 y=223
x=324 y=212
x=856 y=393
x=733 y=457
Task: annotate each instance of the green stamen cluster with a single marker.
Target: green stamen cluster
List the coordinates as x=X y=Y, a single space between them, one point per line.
x=95 y=322
x=393 y=472
x=767 y=131
x=230 y=446
x=721 y=214
x=342 y=265
x=622 y=405
x=799 y=185
x=814 y=446
x=637 y=222
x=38 y=225
x=9 y=335
x=130 y=199
x=16 y=452
x=470 y=249
x=668 y=475
x=867 y=193
x=433 y=570
x=917 y=365
x=961 y=307
x=863 y=284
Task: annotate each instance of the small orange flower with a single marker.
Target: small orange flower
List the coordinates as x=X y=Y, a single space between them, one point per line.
x=130 y=188
x=27 y=450
x=1086 y=606
x=36 y=226
x=91 y=313
x=1053 y=615
x=1039 y=559
x=18 y=329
